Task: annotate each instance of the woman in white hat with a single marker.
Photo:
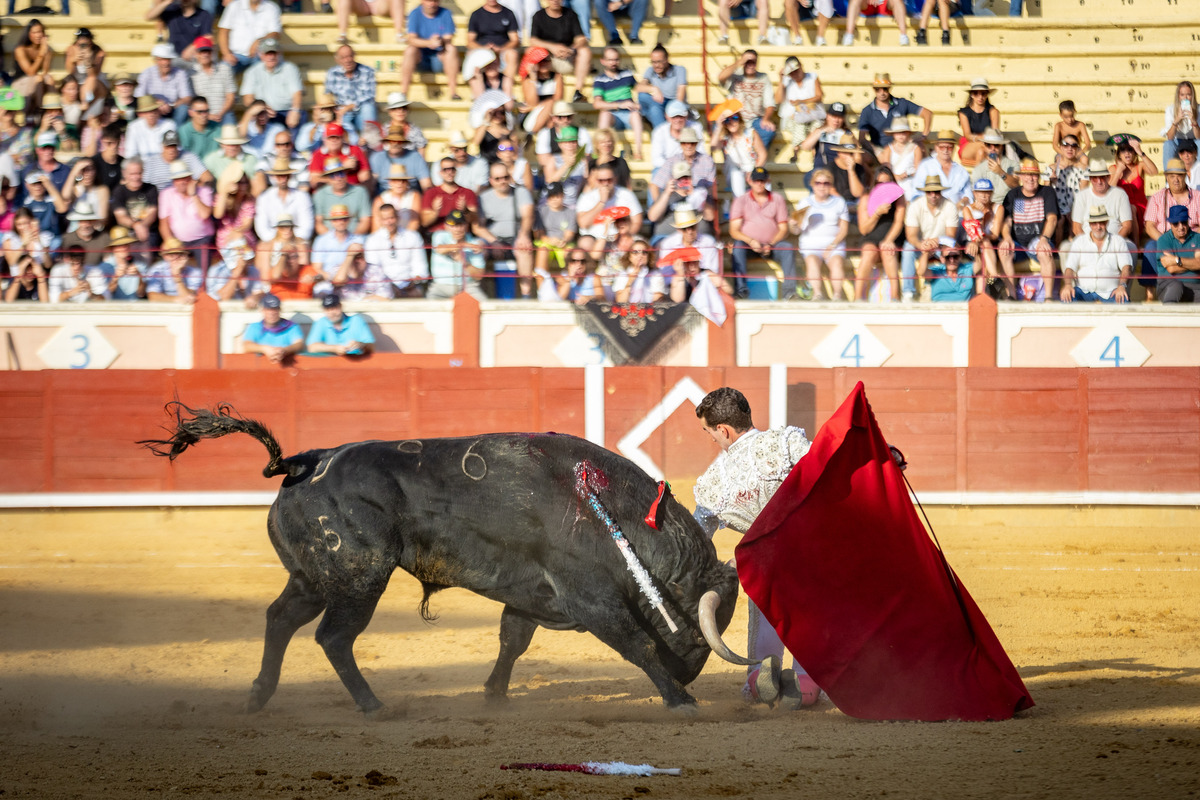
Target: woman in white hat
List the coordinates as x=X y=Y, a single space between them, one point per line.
x=798 y=98
x=901 y=154
x=823 y=221
x=974 y=119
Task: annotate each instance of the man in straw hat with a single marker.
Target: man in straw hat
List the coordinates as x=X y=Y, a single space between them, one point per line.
x=331 y=249
x=338 y=191
x=235 y=276
x=1027 y=220
x=1177 y=260
x=185 y=213
x=144 y=135
x=280 y=199
x=926 y=221
x=158 y=165
x=953 y=176
x=701 y=167
x=353 y=87
x=472 y=170
x=325 y=109
x=125 y=268
x=996 y=166
x=282 y=148
x=397 y=151
x=1101 y=193
x=877 y=116
x=169 y=85
x=231 y=150
x=174 y=279
x=335 y=146
x=687 y=234
x=1099 y=266
x=212 y=80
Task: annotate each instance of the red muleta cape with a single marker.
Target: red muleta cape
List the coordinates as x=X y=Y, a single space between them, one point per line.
x=842 y=567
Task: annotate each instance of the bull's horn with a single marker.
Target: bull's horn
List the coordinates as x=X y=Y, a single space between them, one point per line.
x=708 y=626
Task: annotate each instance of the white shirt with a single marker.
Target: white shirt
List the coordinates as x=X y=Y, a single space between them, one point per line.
x=663 y=145
x=737 y=486
x=62 y=279
x=270 y=206
x=931 y=224
x=957 y=182
x=395 y=258
x=620 y=197
x=1098 y=267
x=141 y=140
x=247 y=25
x=1115 y=201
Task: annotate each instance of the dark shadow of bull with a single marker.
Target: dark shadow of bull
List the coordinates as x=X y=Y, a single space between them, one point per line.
x=499 y=514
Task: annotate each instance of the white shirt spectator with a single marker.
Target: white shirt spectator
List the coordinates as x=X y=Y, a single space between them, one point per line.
x=957 y=183
x=931 y=224
x=707 y=245
x=394 y=260
x=98 y=277
x=1098 y=267
x=1114 y=200
x=270 y=205
x=247 y=25
x=141 y=140
x=621 y=197
x=251 y=283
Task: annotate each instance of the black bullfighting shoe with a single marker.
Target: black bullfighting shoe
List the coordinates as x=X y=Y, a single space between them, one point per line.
x=799 y=690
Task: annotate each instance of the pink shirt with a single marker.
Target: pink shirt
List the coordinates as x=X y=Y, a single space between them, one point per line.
x=186 y=224
x=1156 y=209
x=759 y=222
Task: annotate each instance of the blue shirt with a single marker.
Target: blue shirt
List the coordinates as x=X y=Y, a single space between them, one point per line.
x=668 y=83
x=423 y=27
x=1167 y=243
x=328 y=252
x=48 y=218
x=354 y=328
x=951 y=288
x=286 y=333
x=873 y=121
x=381 y=162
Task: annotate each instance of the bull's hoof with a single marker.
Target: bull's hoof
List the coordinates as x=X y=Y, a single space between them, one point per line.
x=382 y=713
x=495 y=699
x=688 y=709
x=257 y=699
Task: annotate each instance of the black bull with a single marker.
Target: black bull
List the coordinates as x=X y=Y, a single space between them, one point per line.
x=499 y=514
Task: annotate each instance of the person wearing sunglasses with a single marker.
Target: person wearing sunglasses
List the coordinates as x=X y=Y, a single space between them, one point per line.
x=952 y=277
x=579 y=283
x=438 y=201
x=640 y=281
x=518 y=168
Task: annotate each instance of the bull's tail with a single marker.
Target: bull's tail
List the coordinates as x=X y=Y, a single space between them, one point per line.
x=204 y=424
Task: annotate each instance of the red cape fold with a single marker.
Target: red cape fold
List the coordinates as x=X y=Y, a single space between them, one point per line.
x=841 y=565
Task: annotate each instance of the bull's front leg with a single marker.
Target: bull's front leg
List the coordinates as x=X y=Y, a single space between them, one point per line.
x=516 y=632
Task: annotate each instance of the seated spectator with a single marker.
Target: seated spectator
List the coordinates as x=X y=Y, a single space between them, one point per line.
x=284 y=260
x=742 y=147
x=488 y=135
x=275 y=82
x=604 y=144
x=47 y=163
x=1182 y=123
x=16 y=141
x=73 y=108
x=283 y=151
x=185 y=22
x=901 y=155
x=564 y=35
x=244 y=27
x=547 y=141
x=876 y=118
x=72 y=281
x=157 y=167
x=481 y=71
x=1099 y=266
x=798 y=98
x=518 y=167
x=661 y=83
x=27 y=238
x=430 y=46
x=233 y=208
x=951 y=278
x=235 y=277
x=752 y=88
x=331 y=249
x=438 y=201
x=366 y=8
x=325 y=111
x=199 y=135
x=883 y=234
x=144 y=135
x=506 y=224
x=89 y=234
x=742 y=9
x=401 y=195
x=1069 y=125
x=96 y=121
x=974 y=119
x=687 y=234
x=43 y=200
x=282 y=199
x=350 y=156
x=1176 y=261
x=1175 y=193
x=683 y=270
x=952 y=175
x=608 y=250
x=274 y=337
x=1027 y=221
x=230 y=144
x=606 y=195
x=926 y=221
x=338 y=191
x=823 y=222
x=579 y=282
x=53 y=122
x=945 y=9
x=396 y=265
x=350 y=281
x=125 y=268
x=878 y=8
x=607 y=11
x=795 y=12
x=681 y=191
x=1066 y=175
x=457 y=261
x=185 y=213
x=29 y=282
x=996 y=167
x=758 y=225
x=541 y=90
x=850 y=176
x=398 y=122
x=977 y=235
x=8 y=202
x=1100 y=193
x=33 y=56
x=212 y=80
x=124 y=102
x=175 y=279
x=612 y=95
x=556 y=228
x=135 y=206
x=665 y=141
x=495 y=28
x=1186 y=150
x=1128 y=173
x=396 y=152
x=353 y=85
x=640 y=281
x=339 y=333
x=169 y=85
x=567 y=170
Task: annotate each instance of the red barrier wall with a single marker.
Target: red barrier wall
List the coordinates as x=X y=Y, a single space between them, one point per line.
x=961 y=429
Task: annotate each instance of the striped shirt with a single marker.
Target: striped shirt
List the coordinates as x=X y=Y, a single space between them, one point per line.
x=214 y=86
x=173 y=88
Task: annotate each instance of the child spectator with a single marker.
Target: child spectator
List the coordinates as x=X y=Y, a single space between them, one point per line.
x=1069 y=125
x=556 y=227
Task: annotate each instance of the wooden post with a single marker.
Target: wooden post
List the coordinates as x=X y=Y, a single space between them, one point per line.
x=206 y=333
x=981 y=331
x=466 y=329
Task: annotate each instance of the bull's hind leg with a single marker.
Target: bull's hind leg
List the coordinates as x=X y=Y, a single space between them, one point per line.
x=297 y=605
x=516 y=632
x=344 y=620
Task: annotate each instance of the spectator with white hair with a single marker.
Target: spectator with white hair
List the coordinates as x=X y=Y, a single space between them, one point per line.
x=275 y=82
x=168 y=84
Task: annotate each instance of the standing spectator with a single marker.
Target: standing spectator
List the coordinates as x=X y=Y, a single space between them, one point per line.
x=233 y=208
x=185 y=213
x=353 y=85
x=882 y=230
x=275 y=82
x=395 y=256
x=364 y=8
x=1066 y=174
x=995 y=166
x=396 y=152
x=744 y=83
x=438 y=201
x=494 y=27
x=1099 y=266
x=282 y=199
x=926 y=221
x=758 y=223
x=823 y=220
x=199 y=135
x=1180 y=120
x=606 y=195
x=244 y=25
x=230 y=143
x=974 y=119
x=665 y=139
x=1070 y=125
x=339 y=333
x=875 y=119
x=506 y=224
x=743 y=149
x=212 y=81
x=274 y=337
x=612 y=96
x=606 y=11
x=1027 y=221
x=952 y=175
x=560 y=32
x=456 y=263
x=430 y=46
x=661 y=83
x=174 y=279
x=338 y=191
x=334 y=146
x=144 y=135
x=186 y=22
x=1176 y=261
x=331 y=249
x=729 y=10
x=855 y=7
x=168 y=84
x=158 y=167
x=1101 y=194
x=135 y=206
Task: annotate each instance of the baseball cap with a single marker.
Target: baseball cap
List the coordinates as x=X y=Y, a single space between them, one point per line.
x=456 y=217
x=203 y=43
x=759 y=174
x=836 y=108
x=1177 y=214
x=677 y=108
x=47 y=139
x=983 y=185
x=34 y=177
x=681 y=170
x=331 y=300
x=334 y=129
x=569 y=134
x=170 y=137
x=270 y=301
x=269 y=45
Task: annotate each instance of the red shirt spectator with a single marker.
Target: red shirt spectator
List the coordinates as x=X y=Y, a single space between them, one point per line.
x=438 y=201
x=335 y=146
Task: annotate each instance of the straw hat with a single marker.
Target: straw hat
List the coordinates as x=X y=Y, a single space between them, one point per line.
x=1098 y=214
x=685 y=217
x=933 y=184
x=231 y=135
x=173 y=246
x=882 y=81
x=119 y=236
x=282 y=166
x=146 y=103
x=1029 y=166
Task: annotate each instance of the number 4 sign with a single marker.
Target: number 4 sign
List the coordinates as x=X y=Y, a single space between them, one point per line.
x=851 y=345
x=1110 y=345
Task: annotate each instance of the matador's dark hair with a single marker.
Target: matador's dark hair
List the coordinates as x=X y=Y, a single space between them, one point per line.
x=725 y=406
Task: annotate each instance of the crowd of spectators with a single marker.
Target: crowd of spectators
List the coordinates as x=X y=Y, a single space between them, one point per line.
x=207 y=173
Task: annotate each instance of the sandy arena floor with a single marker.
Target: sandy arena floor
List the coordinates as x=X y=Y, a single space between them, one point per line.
x=129 y=639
